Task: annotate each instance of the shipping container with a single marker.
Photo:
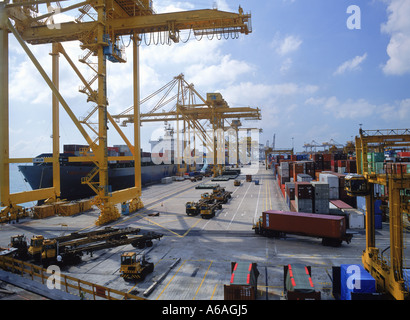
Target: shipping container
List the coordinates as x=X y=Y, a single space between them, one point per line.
x=339 y=204
x=298 y=284
x=244 y=282
x=43 y=211
x=166 y=180
x=303 y=190
x=321 y=206
x=332 y=229
x=304 y=177
x=333 y=182
x=363 y=281
x=355 y=218
x=304 y=205
x=290 y=190
x=69 y=209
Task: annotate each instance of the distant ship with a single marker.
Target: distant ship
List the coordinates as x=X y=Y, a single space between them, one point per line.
x=120 y=173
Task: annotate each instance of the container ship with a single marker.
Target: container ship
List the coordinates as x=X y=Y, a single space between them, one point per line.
x=120 y=173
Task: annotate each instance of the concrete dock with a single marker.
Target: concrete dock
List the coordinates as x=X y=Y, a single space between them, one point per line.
x=202 y=250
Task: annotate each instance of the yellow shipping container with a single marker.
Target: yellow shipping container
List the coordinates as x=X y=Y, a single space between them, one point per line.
x=70 y=209
x=44 y=211
x=85 y=204
x=57 y=205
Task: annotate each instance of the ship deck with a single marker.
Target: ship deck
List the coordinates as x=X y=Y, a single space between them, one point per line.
x=205 y=247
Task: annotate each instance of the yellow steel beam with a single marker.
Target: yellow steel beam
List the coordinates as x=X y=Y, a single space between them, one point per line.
x=4 y=111
x=33 y=195
x=56 y=121
x=195 y=19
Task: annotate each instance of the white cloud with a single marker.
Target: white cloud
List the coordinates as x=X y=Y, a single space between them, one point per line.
x=363 y=109
x=286 y=65
x=349 y=109
x=286 y=45
x=398 y=27
x=351 y=65
x=225 y=72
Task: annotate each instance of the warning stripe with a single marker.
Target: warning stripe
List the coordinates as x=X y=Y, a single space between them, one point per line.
x=307 y=271
x=291 y=275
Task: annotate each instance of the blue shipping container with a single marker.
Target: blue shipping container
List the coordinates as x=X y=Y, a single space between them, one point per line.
x=377 y=204
x=355 y=278
x=378 y=221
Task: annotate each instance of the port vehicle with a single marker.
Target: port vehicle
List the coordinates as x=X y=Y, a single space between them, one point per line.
x=19 y=242
x=37 y=241
x=220 y=195
x=331 y=229
x=194 y=207
x=70 y=248
x=134 y=266
x=207 y=210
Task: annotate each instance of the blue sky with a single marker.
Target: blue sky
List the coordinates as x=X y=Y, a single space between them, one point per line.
x=312 y=76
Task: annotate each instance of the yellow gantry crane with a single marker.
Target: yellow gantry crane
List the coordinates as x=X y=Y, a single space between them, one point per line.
x=388 y=273
x=191 y=108
x=269 y=151
x=98 y=28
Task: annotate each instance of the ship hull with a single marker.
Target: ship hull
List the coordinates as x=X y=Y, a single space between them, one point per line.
x=41 y=176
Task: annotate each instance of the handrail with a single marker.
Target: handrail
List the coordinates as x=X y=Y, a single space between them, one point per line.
x=84 y=289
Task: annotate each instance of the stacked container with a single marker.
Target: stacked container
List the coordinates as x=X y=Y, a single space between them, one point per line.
x=321 y=197
x=289 y=193
x=304 y=177
x=285 y=177
x=333 y=183
x=304 y=197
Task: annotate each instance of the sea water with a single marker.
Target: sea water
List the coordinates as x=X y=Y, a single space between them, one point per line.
x=19 y=184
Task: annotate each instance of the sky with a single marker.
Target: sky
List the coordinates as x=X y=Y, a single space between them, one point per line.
x=317 y=69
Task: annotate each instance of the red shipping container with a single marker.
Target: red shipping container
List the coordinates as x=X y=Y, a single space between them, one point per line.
x=307 y=224
x=340 y=204
x=403 y=154
x=303 y=190
x=327 y=157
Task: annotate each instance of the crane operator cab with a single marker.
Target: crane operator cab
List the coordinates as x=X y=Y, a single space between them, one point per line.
x=356 y=185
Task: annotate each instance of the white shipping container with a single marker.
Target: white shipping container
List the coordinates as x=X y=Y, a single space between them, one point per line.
x=333 y=193
x=330 y=179
x=355 y=217
x=166 y=180
x=284 y=165
x=285 y=173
